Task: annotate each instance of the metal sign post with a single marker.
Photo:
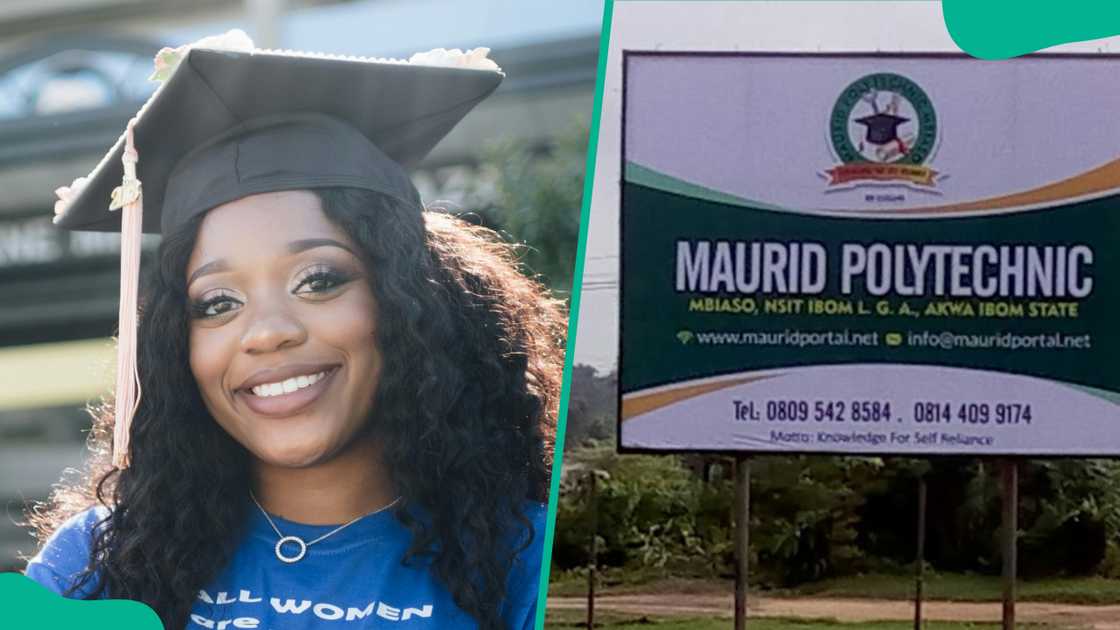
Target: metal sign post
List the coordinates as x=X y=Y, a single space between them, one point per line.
x=919 y=558
x=1009 y=471
x=742 y=537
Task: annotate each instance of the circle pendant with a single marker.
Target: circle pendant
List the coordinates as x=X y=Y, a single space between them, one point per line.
x=291 y=539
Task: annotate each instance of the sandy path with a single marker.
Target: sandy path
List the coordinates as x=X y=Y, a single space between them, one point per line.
x=850 y=610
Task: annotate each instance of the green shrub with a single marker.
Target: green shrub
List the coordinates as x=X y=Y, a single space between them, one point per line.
x=814 y=517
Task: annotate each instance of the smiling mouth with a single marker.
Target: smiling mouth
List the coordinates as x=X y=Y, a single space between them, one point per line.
x=287 y=397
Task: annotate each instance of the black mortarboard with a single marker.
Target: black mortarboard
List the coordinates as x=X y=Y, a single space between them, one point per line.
x=882 y=128
x=262 y=121
x=232 y=123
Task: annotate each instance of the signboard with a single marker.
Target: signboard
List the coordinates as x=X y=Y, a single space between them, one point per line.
x=870 y=254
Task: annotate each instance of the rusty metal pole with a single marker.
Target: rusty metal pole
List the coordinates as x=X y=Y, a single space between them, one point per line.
x=919 y=557
x=742 y=538
x=1010 y=473
x=593 y=553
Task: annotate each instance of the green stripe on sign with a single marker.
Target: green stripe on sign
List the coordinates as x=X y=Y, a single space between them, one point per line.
x=648 y=177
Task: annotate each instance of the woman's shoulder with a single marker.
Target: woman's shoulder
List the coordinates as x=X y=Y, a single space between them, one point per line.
x=65 y=555
x=531 y=538
x=526 y=571
x=524 y=578
x=537 y=513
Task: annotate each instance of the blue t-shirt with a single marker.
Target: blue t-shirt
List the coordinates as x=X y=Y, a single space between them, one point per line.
x=349 y=581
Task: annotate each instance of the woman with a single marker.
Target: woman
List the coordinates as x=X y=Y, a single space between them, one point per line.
x=345 y=403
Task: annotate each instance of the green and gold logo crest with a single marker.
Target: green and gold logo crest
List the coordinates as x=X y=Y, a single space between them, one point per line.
x=883 y=128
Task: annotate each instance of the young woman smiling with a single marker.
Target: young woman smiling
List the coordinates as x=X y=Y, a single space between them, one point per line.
x=345 y=403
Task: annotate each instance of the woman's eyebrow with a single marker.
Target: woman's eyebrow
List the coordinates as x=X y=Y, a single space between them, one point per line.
x=213 y=266
x=296 y=247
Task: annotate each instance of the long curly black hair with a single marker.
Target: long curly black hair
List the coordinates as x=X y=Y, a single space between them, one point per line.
x=468 y=414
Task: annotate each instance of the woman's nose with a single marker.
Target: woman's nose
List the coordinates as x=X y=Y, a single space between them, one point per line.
x=272 y=330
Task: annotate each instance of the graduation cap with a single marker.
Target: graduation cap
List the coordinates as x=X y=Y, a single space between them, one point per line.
x=882 y=128
x=231 y=121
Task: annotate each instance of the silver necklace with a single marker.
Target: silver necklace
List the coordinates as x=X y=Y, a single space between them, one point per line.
x=296 y=540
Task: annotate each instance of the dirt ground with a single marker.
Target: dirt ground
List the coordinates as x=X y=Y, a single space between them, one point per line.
x=848 y=610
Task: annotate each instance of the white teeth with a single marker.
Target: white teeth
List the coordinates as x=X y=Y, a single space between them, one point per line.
x=288 y=386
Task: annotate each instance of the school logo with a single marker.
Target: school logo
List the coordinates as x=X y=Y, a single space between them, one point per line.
x=883 y=128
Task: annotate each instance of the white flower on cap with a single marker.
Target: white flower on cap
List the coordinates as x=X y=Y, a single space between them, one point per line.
x=475 y=58
x=167 y=59
x=66 y=195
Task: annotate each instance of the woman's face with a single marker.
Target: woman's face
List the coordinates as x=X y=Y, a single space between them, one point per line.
x=282 y=328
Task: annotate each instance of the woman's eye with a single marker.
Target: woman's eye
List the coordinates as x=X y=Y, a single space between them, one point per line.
x=321 y=282
x=214 y=307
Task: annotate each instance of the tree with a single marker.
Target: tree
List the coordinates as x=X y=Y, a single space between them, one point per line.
x=532 y=193
x=591 y=407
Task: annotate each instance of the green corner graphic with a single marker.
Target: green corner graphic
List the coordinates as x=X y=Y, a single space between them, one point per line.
x=1000 y=29
x=26 y=604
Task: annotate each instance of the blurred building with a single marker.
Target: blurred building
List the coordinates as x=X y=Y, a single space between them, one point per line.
x=71 y=74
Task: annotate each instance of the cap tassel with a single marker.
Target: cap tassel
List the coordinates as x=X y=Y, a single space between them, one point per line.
x=127 y=198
